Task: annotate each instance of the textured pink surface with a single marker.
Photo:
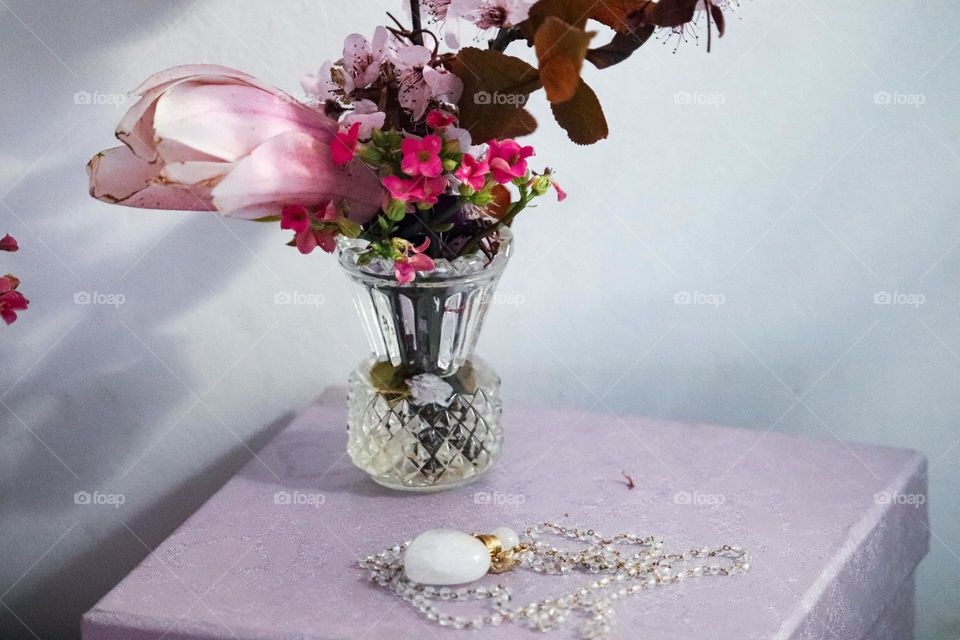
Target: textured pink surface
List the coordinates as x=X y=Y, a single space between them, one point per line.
x=828 y=556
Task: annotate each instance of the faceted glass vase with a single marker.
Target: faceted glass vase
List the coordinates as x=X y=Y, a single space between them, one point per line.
x=424 y=412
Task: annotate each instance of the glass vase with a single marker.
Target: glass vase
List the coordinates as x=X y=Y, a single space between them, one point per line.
x=424 y=411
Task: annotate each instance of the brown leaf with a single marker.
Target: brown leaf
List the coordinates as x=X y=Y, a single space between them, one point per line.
x=613 y=13
x=669 y=13
x=620 y=47
x=501 y=202
x=495 y=88
x=582 y=116
x=560 y=50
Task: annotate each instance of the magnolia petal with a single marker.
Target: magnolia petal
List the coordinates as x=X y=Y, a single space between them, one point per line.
x=195 y=173
x=295 y=168
x=162 y=78
x=118 y=176
x=227 y=121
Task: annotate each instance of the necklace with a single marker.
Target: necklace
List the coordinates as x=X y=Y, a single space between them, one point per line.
x=447 y=557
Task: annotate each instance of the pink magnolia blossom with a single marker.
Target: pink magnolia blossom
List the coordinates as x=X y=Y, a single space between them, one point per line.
x=406 y=267
x=507 y=159
x=420 y=83
x=473 y=172
x=8 y=243
x=11 y=300
x=421 y=157
x=344 y=146
x=209 y=138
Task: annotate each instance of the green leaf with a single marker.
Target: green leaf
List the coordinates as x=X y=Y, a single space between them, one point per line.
x=582 y=116
x=387 y=378
x=267 y=219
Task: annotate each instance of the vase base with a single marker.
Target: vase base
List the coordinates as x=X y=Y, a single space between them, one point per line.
x=411 y=443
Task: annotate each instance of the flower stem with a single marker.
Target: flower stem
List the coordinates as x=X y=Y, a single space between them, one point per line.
x=417 y=29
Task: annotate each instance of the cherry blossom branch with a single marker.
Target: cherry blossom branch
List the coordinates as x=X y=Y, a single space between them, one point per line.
x=417 y=28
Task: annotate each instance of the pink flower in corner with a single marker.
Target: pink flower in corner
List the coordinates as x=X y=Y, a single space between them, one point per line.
x=344 y=145
x=422 y=157
x=432 y=189
x=8 y=243
x=11 y=300
x=405 y=268
x=507 y=159
x=473 y=172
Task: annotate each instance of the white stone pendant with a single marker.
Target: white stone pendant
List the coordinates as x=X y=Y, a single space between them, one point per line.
x=447 y=556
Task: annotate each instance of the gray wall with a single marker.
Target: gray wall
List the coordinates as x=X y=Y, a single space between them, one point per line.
x=791 y=193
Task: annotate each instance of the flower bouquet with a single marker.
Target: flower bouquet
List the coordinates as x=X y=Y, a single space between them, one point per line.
x=402 y=158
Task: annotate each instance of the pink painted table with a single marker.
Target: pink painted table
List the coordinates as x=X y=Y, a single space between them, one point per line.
x=835 y=529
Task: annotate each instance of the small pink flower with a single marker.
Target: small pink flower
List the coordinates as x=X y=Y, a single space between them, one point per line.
x=420 y=83
x=295 y=217
x=403 y=188
x=422 y=157
x=438 y=119
x=11 y=300
x=507 y=160
x=473 y=172
x=432 y=189
x=8 y=243
x=298 y=219
x=561 y=194
x=406 y=267
x=344 y=146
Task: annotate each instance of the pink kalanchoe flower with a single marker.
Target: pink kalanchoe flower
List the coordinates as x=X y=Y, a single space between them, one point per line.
x=561 y=194
x=295 y=217
x=421 y=157
x=8 y=243
x=298 y=219
x=405 y=269
x=507 y=159
x=438 y=119
x=11 y=300
x=403 y=188
x=344 y=145
x=432 y=189
x=473 y=172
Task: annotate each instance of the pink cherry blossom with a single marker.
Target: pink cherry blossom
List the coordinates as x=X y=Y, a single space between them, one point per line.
x=367 y=114
x=345 y=144
x=321 y=86
x=473 y=172
x=406 y=267
x=8 y=243
x=490 y=14
x=507 y=159
x=362 y=59
x=210 y=138
x=420 y=83
x=421 y=157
